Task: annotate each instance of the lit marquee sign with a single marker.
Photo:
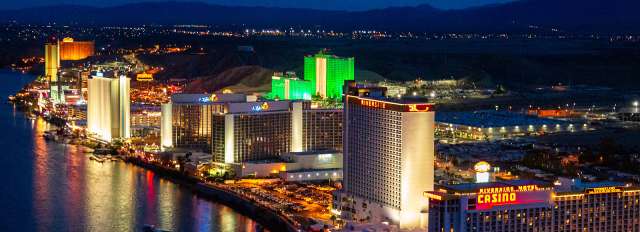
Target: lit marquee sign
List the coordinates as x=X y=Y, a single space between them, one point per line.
x=432 y=196
x=261 y=107
x=373 y=104
x=210 y=98
x=604 y=190
x=420 y=107
x=510 y=195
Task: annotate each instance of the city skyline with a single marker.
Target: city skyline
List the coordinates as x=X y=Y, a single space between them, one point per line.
x=349 y=5
x=186 y=116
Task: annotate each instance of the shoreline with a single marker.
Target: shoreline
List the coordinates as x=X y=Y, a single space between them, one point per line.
x=265 y=217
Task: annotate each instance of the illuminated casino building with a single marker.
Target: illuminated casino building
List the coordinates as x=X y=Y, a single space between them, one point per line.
x=54 y=52
x=235 y=130
x=321 y=129
x=51 y=68
x=186 y=120
x=324 y=75
x=254 y=131
x=328 y=73
x=266 y=130
x=388 y=158
x=523 y=205
x=75 y=50
x=51 y=61
x=108 y=107
x=288 y=86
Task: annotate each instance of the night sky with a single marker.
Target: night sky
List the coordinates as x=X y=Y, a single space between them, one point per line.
x=315 y=4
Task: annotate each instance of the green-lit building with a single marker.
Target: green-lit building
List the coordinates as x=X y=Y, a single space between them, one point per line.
x=324 y=75
x=290 y=87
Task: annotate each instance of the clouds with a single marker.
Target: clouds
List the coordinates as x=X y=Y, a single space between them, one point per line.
x=352 y=5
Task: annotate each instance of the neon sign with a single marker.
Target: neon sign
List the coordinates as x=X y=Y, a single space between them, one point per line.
x=211 y=98
x=388 y=105
x=433 y=196
x=258 y=108
x=374 y=104
x=498 y=196
x=482 y=166
x=419 y=108
x=521 y=188
x=604 y=190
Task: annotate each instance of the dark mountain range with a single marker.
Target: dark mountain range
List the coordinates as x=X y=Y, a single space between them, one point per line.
x=570 y=15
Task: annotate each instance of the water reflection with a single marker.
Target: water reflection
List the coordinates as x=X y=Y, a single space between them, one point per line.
x=55 y=187
x=75 y=193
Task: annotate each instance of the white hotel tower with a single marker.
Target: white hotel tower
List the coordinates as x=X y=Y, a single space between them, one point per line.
x=388 y=159
x=108 y=107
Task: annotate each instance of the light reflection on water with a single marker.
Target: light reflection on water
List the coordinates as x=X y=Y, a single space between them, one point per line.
x=55 y=187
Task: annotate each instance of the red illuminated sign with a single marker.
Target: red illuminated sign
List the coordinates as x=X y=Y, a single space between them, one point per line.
x=423 y=107
x=510 y=195
x=373 y=104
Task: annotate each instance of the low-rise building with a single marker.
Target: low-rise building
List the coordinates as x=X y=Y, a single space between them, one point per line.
x=524 y=205
x=295 y=166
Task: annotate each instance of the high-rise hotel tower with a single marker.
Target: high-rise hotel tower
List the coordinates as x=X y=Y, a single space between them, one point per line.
x=108 y=107
x=324 y=76
x=388 y=158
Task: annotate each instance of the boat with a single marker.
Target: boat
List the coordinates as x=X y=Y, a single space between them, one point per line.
x=50 y=136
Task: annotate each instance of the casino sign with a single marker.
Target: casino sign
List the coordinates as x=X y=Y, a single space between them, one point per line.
x=488 y=198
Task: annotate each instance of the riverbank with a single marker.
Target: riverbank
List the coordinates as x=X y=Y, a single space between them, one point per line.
x=57 y=187
x=268 y=218
x=271 y=219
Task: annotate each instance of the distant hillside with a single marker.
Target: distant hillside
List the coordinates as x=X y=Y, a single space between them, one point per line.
x=243 y=79
x=572 y=15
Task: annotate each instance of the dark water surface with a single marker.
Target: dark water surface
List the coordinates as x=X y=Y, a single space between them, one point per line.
x=55 y=187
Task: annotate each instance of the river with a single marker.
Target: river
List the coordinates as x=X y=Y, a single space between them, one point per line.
x=55 y=187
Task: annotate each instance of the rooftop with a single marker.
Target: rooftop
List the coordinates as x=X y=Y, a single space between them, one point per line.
x=475 y=187
x=187 y=98
x=577 y=186
x=588 y=185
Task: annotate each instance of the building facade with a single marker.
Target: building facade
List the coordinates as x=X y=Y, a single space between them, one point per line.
x=186 y=122
x=388 y=160
x=288 y=87
x=295 y=167
x=51 y=61
x=108 y=107
x=324 y=76
x=235 y=130
x=75 y=50
x=322 y=129
x=534 y=206
x=51 y=69
x=252 y=131
x=266 y=130
x=328 y=73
